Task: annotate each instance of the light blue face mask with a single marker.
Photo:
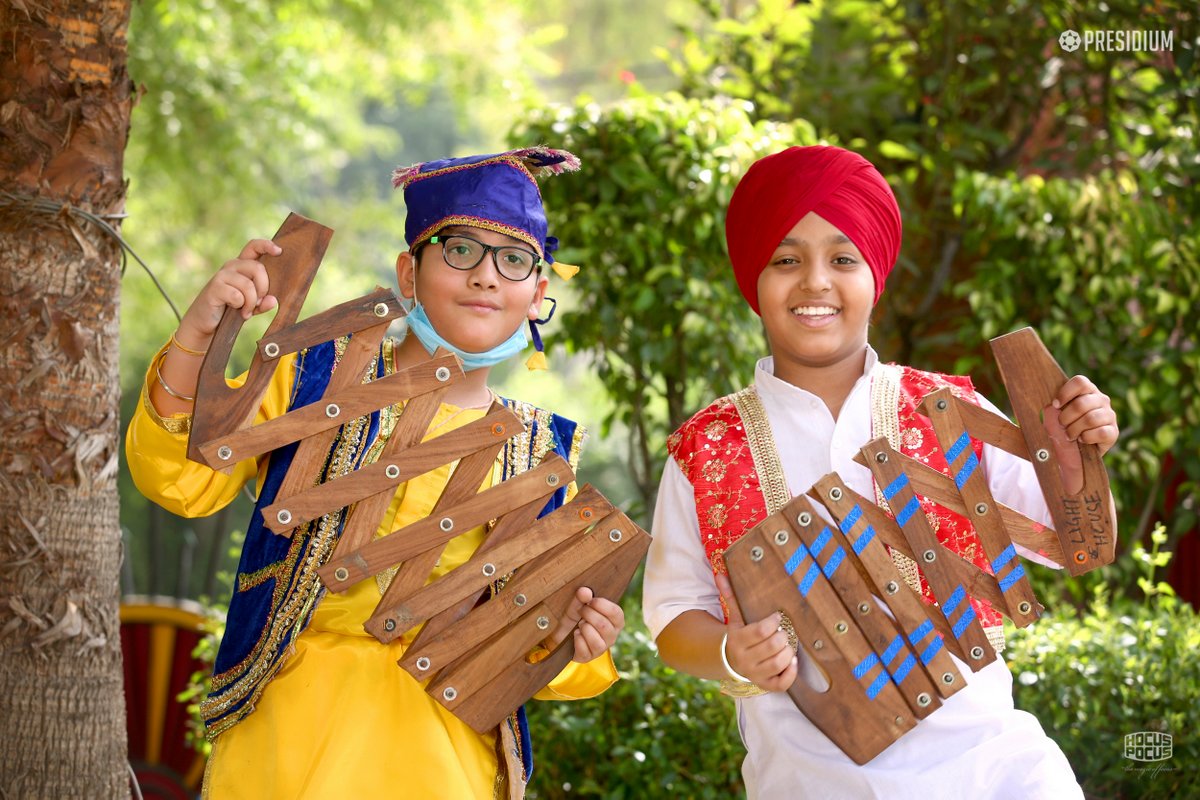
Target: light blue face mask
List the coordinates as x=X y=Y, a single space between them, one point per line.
x=422 y=328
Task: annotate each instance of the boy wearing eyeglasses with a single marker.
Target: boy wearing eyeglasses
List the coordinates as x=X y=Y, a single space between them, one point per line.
x=333 y=715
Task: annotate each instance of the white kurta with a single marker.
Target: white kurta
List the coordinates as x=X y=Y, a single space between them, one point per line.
x=976 y=745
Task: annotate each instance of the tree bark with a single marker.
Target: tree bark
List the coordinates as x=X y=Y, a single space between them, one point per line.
x=65 y=101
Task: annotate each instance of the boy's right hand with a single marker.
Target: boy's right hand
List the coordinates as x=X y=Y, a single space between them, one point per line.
x=240 y=283
x=759 y=650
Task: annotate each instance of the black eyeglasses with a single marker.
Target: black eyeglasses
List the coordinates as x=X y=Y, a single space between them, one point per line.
x=463 y=252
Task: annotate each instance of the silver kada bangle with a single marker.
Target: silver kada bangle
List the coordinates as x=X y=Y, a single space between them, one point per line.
x=175 y=394
x=729 y=670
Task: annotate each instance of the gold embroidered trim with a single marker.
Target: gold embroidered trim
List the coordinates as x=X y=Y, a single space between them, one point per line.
x=773 y=484
x=885 y=421
x=174 y=424
x=485 y=224
x=763 y=450
x=512 y=161
x=995 y=635
x=293 y=604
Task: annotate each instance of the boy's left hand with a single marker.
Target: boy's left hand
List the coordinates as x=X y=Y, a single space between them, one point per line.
x=593 y=621
x=1079 y=413
x=1086 y=414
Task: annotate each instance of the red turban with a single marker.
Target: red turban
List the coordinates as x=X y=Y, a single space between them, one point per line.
x=779 y=190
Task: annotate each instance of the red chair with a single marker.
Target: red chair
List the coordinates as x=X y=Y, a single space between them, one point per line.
x=158 y=636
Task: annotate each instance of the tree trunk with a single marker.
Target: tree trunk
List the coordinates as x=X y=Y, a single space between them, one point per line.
x=65 y=100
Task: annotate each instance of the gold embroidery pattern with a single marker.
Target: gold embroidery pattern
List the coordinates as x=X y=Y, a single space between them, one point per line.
x=953 y=531
x=763 y=450
x=176 y=423
x=885 y=421
x=292 y=604
x=485 y=224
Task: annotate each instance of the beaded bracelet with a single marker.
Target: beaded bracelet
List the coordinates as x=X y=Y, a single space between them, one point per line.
x=185 y=349
x=737 y=676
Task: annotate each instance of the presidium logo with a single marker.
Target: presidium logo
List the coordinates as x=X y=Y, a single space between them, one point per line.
x=1117 y=41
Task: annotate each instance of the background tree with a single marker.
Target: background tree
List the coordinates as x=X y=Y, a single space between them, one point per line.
x=65 y=98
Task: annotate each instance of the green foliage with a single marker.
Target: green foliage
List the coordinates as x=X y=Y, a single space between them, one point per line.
x=1120 y=668
x=657 y=733
x=1099 y=267
x=662 y=317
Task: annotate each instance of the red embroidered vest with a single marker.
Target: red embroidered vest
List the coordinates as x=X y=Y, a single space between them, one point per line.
x=712 y=450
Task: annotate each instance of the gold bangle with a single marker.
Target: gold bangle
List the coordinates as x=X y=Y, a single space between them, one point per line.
x=187 y=350
x=168 y=389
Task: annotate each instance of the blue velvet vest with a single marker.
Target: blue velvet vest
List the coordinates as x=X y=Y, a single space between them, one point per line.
x=277 y=587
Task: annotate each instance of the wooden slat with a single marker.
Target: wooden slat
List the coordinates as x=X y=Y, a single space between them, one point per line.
x=365 y=516
x=853 y=596
x=1020 y=603
x=1083 y=519
x=510 y=525
x=371 y=479
x=313 y=450
x=486 y=707
x=435 y=530
x=332 y=411
x=351 y=316
x=392 y=619
x=862 y=727
x=452 y=686
x=531 y=585
x=930 y=483
x=219 y=408
x=938 y=677
x=930 y=555
x=993 y=429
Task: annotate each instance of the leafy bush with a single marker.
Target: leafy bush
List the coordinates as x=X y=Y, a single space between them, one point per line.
x=1120 y=668
x=657 y=733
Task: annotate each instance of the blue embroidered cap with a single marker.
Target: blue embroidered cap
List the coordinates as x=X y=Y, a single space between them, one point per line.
x=495 y=192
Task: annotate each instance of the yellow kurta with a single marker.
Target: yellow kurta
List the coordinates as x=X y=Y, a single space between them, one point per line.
x=340 y=719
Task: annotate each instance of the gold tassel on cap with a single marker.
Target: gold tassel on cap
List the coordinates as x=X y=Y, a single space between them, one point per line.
x=537 y=361
x=564 y=271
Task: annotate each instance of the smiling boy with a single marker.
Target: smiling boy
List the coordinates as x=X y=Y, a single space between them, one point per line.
x=304 y=703
x=813 y=233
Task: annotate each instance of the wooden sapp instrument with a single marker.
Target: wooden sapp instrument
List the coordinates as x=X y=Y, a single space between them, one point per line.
x=887 y=671
x=481 y=649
